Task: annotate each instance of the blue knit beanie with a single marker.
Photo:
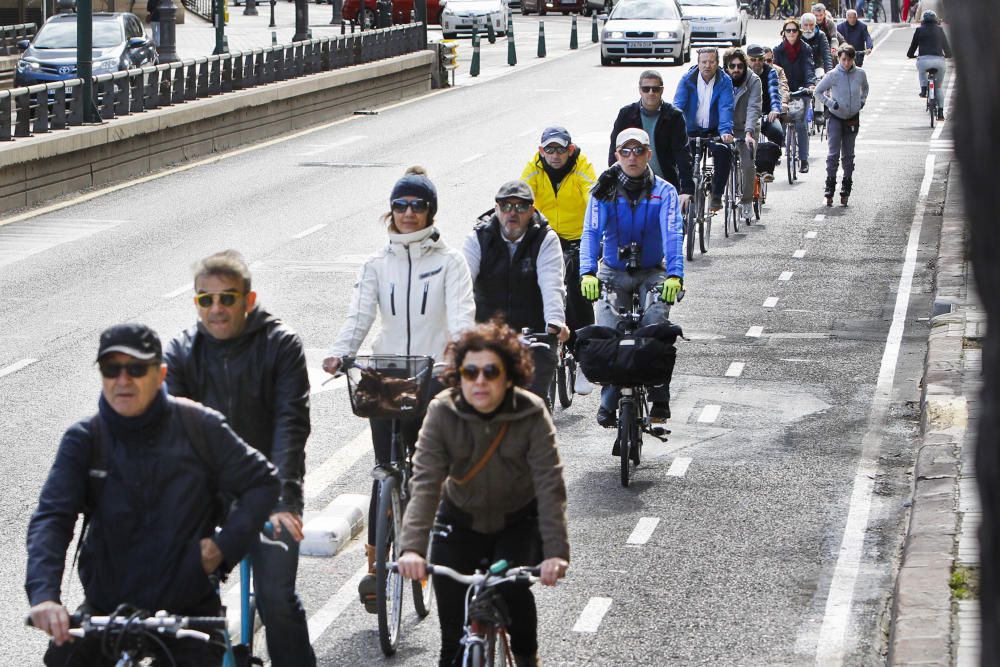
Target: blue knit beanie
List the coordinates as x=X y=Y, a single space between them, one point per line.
x=416 y=184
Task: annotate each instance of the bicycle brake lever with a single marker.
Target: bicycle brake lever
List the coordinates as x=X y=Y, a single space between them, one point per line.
x=264 y=539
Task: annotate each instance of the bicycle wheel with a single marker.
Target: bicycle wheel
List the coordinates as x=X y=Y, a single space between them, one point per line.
x=878 y=14
x=736 y=180
x=566 y=375
x=704 y=231
x=625 y=424
x=727 y=204
x=689 y=223
x=388 y=585
x=423 y=596
x=931 y=101
x=758 y=196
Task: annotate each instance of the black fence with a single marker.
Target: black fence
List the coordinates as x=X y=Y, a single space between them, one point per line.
x=10 y=35
x=204 y=8
x=57 y=106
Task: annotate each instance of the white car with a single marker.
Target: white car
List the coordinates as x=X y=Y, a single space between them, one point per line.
x=460 y=15
x=717 y=20
x=646 y=29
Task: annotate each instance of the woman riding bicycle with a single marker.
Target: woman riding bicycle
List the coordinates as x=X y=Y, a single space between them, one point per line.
x=796 y=58
x=421 y=290
x=930 y=47
x=487 y=464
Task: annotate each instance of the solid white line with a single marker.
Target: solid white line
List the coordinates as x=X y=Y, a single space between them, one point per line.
x=180 y=290
x=679 y=467
x=785 y=275
x=830 y=649
x=336 y=144
x=771 y=302
x=643 y=530
x=335 y=606
x=755 y=332
x=709 y=414
x=15 y=367
x=799 y=254
x=337 y=464
x=592 y=615
x=735 y=369
x=306 y=232
x=820 y=217
x=527 y=132
x=472 y=158
x=811 y=235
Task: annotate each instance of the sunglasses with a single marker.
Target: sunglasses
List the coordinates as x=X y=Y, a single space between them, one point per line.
x=559 y=150
x=651 y=89
x=418 y=205
x=135 y=369
x=791 y=30
x=520 y=207
x=208 y=299
x=737 y=66
x=471 y=372
x=769 y=61
x=635 y=150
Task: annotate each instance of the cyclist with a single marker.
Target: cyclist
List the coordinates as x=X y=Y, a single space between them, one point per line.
x=421 y=290
x=782 y=78
x=705 y=97
x=150 y=539
x=516 y=264
x=822 y=60
x=746 y=116
x=771 y=108
x=671 y=159
x=488 y=507
x=797 y=62
x=631 y=205
x=825 y=22
x=930 y=47
x=855 y=32
x=250 y=366
x=846 y=90
x=560 y=176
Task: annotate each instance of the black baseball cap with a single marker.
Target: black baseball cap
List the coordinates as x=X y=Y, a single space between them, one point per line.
x=755 y=51
x=131 y=338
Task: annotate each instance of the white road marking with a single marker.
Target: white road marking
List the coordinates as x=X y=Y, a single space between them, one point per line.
x=811 y=235
x=15 y=367
x=335 y=606
x=337 y=464
x=709 y=414
x=735 y=369
x=591 y=616
x=644 y=529
x=799 y=254
x=336 y=144
x=771 y=302
x=306 y=232
x=831 y=649
x=755 y=332
x=820 y=217
x=180 y=290
x=785 y=275
x=679 y=467
x=528 y=132
x=472 y=158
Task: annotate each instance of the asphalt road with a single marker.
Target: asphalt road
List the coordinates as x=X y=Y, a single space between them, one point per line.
x=779 y=518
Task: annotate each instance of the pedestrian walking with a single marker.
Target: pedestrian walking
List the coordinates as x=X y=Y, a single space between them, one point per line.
x=845 y=89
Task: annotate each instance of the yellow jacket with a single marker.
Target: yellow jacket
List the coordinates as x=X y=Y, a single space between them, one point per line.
x=566 y=209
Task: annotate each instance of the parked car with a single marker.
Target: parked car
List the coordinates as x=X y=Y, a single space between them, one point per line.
x=646 y=29
x=401 y=11
x=119 y=41
x=543 y=7
x=717 y=20
x=591 y=7
x=460 y=15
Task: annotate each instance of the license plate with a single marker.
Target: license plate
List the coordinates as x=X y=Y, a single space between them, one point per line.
x=640 y=45
x=567 y=2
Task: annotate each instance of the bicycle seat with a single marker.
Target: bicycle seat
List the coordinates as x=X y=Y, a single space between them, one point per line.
x=931 y=71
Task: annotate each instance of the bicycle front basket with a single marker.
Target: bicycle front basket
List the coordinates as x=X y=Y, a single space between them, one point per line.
x=796 y=109
x=389 y=386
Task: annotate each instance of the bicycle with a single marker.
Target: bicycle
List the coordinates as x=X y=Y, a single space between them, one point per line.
x=732 y=199
x=703 y=171
x=932 y=101
x=757 y=8
x=787 y=9
x=818 y=119
x=565 y=376
x=874 y=11
x=545 y=341
x=796 y=112
x=391 y=387
x=248 y=602
x=485 y=641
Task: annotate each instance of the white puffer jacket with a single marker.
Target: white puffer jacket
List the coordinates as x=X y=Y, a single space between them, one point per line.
x=422 y=290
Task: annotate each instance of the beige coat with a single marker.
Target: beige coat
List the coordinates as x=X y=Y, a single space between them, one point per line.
x=525 y=467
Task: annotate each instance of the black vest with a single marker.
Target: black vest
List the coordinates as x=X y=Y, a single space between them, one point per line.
x=507 y=285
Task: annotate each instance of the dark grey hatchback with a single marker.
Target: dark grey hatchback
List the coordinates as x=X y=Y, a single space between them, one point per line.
x=120 y=42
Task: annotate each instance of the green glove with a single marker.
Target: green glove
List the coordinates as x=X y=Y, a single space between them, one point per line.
x=590 y=287
x=670 y=289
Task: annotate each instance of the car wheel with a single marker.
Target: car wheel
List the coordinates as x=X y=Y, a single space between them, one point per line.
x=608 y=61
x=586 y=10
x=524 y=8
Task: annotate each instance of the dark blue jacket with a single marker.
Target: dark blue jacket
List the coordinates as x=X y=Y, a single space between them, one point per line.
x=856 y=35
x=801 y=73
x=157 y=502
x=771 y=100
x=721 y=114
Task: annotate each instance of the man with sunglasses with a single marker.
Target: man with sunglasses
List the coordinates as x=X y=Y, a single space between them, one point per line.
x=147 y=488
x=771 y=107
x=517 y=269
x=249 y=365
x=746 y=118
x=705 y=97
x=670 y=158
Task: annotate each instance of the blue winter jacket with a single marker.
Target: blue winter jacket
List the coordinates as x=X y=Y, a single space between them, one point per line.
x=721 y=115
x=772 y=96
x=655 y=223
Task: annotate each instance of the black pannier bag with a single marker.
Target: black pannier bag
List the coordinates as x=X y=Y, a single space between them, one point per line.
x=767 y=156
x=646 y=357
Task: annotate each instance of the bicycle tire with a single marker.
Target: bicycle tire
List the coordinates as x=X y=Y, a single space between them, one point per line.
x=791 y=153
x=737 y=177
x=423 y=596
x=878 y=15
x=727 y=205
x=566 y=379
x=625 y=424
x=475 y=656
x=704 y=232
x=689 y=227
x=931 y=101
x=388 y=585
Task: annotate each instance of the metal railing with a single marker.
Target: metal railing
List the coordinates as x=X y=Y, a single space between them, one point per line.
x=10 y=35
x=203 y=8
x=42 y=108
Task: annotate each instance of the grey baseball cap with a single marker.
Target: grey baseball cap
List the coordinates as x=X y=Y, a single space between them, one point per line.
x=556 y=135
x=515 y=190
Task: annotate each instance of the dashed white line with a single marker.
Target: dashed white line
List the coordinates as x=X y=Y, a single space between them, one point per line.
x=335 y=606
x=771 y=302
x=755 y=332
x=799 y=254
x=643 y=530
x=591 y=616
x=527 y=132
x=177 y=292
x=785 y=275
x=811 y=235
x=15 y=367
x=679 y=467
x=709 y=414
x=735 y=369
x=472 y=158
x=306 y=232
x=820 y=217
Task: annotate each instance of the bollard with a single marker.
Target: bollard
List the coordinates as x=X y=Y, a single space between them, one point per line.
x=474 y=67
x=491 y=34
x=573 y=43
x=541 y=39
x=511 y=52
x=274 y=38
x=594 y=37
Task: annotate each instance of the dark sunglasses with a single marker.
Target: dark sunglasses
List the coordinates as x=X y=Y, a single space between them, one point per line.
x=520 y=207
x=135 y=369
x=471 y=372
x=207 y=299
x=736 y=66
x=651 y=89
x=790 y=30
x=418 y=205
x=635 y=150
x=549 y=150
x=769 y=61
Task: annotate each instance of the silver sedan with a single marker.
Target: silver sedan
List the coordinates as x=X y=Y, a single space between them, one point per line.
x=646 y=29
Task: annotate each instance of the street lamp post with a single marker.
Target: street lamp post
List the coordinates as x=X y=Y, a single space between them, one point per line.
x=220 y=28
x=421 y=16
x=85 y=58
x=301 y=21
x=167 y=48
x=272 y=24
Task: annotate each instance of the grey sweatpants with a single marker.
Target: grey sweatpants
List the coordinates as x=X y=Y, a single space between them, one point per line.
x=841 y=147
x=925 y=63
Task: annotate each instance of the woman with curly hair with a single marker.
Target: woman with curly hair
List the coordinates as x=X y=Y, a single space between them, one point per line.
x=487 y=465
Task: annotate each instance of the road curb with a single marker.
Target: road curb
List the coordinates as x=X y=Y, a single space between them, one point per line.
x=329 y=531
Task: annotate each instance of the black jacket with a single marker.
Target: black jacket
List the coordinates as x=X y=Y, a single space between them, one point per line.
x=669 y=143
x=507 y=285
x=156 y=504
x=820 y=46
x=929 y=39
x=259 y=381
x=801 y=73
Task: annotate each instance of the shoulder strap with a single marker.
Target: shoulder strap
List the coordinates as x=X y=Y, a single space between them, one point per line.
x=192 y=417
x=481 y=463
x=97 y=473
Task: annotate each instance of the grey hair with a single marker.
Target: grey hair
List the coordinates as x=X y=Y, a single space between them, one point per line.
x=808 y=17
x=819 y=6
x=852 y=11
x=651 y=74
x=229 y=263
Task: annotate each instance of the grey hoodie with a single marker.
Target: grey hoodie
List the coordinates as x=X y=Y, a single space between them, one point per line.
x=846 y=90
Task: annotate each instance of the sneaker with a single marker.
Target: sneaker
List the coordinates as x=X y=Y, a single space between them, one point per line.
x=769 y=178
x=715 y=203
x=660 y=412
x=582 y=385
x=940 y=115
x=366 y=591
x=746 y=210
x=803 y=167
x=923 y=91
x=607 y=418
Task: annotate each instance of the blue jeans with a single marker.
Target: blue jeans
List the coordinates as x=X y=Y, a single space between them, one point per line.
x=802 y=134
x=285 y=623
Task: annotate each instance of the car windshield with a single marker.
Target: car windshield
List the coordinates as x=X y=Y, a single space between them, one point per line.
x=62 y=35
x=644 y=9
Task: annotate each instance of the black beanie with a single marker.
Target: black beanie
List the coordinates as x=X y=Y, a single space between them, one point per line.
x=416 y=185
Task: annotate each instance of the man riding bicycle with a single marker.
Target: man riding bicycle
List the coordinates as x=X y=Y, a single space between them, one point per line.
x=634 y=227
x=746 y=118
x=771 y=108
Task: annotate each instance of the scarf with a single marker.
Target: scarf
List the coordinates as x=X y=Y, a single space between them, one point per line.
x=606 y=188
x=792 y=50
x=634 y=186
x=130 y=428
x=557 y=175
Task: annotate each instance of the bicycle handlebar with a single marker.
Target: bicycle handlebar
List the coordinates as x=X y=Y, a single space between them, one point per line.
x=801 y=93
x=524 y=574
x=182 y=627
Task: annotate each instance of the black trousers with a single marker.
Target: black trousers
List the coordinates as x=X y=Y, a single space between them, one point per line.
x=466 y=550
x=579 y=311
